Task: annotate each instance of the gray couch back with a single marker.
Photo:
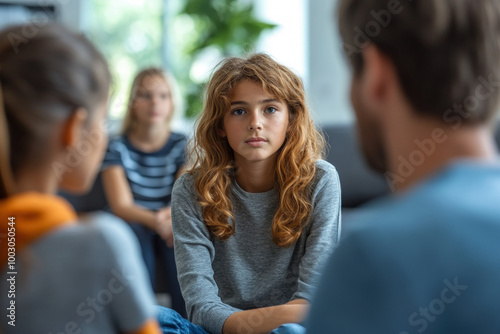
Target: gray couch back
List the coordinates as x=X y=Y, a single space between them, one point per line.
x=359 y=184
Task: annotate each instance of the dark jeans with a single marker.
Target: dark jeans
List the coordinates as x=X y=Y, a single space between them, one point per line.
x=153 y=247
x=172 y=323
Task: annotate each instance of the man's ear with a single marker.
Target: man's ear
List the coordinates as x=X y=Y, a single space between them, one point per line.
x=73 y=127
x=378 y=74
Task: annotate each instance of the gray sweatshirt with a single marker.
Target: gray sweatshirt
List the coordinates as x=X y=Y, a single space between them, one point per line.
x=248 y=270
x=89 y=277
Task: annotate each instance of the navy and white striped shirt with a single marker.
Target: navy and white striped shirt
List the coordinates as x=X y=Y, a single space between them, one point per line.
x=151 y=175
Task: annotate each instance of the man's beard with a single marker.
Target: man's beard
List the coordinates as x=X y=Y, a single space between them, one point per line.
x=371 y=144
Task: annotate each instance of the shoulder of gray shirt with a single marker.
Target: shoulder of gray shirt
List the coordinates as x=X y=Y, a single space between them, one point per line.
x=326 y=173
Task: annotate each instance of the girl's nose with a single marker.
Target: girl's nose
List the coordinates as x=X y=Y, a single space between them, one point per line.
x=255 y=123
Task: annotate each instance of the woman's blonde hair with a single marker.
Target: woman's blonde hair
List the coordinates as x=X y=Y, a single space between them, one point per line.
x=213 y=161
x=129 y=119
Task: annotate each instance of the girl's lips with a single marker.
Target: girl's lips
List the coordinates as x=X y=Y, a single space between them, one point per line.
x=256 y=141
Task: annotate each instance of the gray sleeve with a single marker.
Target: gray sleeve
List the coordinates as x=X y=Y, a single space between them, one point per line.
x=323 y=230
x=128 y=290
x=194 y=253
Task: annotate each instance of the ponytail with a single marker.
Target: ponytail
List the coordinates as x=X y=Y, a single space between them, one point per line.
x=6 y=179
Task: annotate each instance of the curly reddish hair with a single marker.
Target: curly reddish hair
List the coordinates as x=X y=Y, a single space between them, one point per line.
x=212 y=163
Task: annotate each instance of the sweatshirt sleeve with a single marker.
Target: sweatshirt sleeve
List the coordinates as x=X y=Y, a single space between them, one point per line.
x=194 y=254
x=323 y=229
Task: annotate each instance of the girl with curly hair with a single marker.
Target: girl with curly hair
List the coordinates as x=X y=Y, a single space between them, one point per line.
x=258 y=212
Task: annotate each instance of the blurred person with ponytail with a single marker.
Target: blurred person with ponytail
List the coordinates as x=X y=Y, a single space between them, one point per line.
x=70 y=275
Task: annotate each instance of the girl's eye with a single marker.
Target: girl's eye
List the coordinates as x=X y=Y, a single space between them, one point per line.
x=238 y=112
x=271 y=110
x=164 y=96
x=143 y=95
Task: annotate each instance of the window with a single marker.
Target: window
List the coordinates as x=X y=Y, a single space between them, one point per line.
x=130 y=35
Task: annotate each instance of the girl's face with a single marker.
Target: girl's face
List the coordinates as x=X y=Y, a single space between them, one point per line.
x=256 y=123
x=153 y=102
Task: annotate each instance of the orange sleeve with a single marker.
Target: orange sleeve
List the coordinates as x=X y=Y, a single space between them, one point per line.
x=149 y=327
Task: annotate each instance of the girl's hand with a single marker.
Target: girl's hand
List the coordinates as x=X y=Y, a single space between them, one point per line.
x=270 y=317
x=164 y=225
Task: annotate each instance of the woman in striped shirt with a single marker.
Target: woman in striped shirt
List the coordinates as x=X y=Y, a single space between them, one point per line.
x=140 y=168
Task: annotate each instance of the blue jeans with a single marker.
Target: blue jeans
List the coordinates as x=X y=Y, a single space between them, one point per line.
x=289 y=329
x=153 y=247
x=172 y=323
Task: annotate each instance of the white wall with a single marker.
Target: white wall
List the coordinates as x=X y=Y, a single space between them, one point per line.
x=329 y=76
x=72 y=13
x=307 y=41
x=69 y=12
x=287 y=42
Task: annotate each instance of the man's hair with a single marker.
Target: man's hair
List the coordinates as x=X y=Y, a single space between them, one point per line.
x=446 y=52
